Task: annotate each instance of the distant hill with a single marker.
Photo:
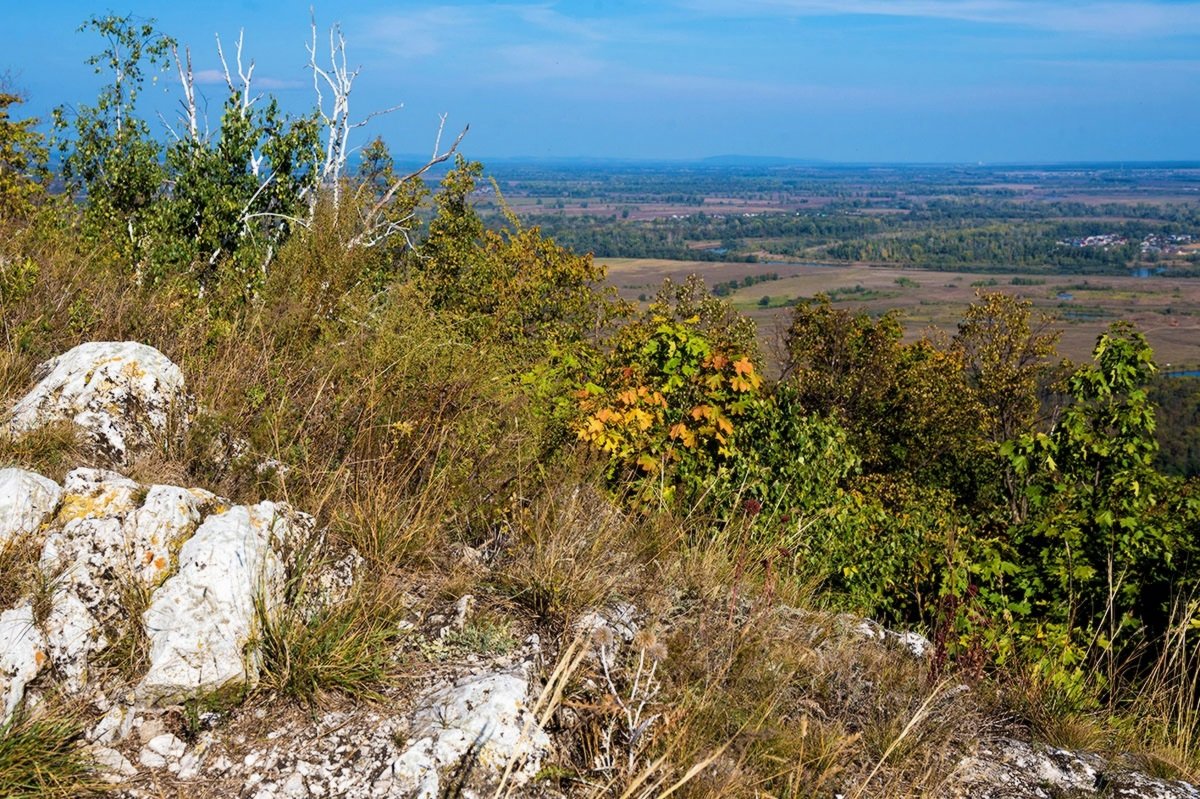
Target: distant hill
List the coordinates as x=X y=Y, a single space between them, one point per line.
x=757 y=160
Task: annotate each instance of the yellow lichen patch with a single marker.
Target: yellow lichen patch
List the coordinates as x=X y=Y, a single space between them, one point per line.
x=88 y=506
x=39 y=658
x=133 y=369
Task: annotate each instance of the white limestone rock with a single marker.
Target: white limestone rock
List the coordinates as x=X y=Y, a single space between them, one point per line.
x=72 y=636
x=915 y=644
x=113 y=767
x=110 y=535
x=201 y=619
x=22 y=656
x=162 y=751
x=167 y=517
x=26 y=501
x=476 y=728
x=1007 y=768
x=121 y=393
x=611 y=626
x=113 y=726
x=96 y=494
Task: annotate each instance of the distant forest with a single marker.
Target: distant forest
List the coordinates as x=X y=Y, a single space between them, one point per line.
x=934 y=217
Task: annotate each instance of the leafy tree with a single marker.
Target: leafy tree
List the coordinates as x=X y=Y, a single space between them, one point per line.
x=666 y=404
x=907 y=407
x=235 y=199
x=1107 y=541
x=108 y=153
x=514 y=285
x=1007 y=355
x=22 y=158
x=377 y=179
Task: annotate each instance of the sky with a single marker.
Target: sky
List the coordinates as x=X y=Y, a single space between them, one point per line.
x=961 y=81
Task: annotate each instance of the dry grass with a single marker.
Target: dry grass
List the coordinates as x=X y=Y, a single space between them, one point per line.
x=18 y=564
x=733 y=691
x=412 y=445
x=1168 y=702
x=40 y=756
x=346 y=649
x=569 y=549
x=52 y=450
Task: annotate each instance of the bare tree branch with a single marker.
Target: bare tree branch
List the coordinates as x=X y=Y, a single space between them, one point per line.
x=338 y=79
x=245 y=75
x=371 y=222
x=187 y=81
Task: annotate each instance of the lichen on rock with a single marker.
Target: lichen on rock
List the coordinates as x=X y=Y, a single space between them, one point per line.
x=122 y=394
x=203 y=617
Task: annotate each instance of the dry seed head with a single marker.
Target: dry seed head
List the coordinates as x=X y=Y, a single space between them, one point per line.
x=603 y=636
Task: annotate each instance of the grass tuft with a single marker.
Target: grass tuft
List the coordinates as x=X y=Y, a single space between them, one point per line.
x=348 y=648
x=41 y=756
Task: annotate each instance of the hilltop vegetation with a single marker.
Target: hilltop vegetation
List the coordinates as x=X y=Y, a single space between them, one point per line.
x=426 y=382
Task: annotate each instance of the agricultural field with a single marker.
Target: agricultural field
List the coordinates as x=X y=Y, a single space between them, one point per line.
x=1166 y=309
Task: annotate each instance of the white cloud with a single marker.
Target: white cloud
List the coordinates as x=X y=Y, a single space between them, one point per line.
x=1117 y=18
x=545 y=18
x=215 y=77
x=542 y=61
x=420 y=34
x=209 y=77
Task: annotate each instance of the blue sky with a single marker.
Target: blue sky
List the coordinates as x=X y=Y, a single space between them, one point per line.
x=840 y=80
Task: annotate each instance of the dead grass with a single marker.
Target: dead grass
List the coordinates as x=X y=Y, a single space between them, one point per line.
x=18 y=564
x=128 y=652
x=569 y=548
x=52 y=450
x=753 y=697
x=1167 y=706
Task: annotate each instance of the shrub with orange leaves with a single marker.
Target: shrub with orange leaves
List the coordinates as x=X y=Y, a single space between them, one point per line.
x=669 y=402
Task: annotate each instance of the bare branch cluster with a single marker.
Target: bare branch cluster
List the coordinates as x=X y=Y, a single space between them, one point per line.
x=333 y=83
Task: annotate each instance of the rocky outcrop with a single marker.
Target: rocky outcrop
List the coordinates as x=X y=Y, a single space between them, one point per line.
x=475 y=733
x=186 y=578
x=204 y=566
x=110 y=537
x=1008 y=769
x=201 y=621
x=27 y=499
x=121 y=394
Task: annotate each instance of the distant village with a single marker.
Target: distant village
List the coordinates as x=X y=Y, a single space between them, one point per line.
x=1155 y=243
